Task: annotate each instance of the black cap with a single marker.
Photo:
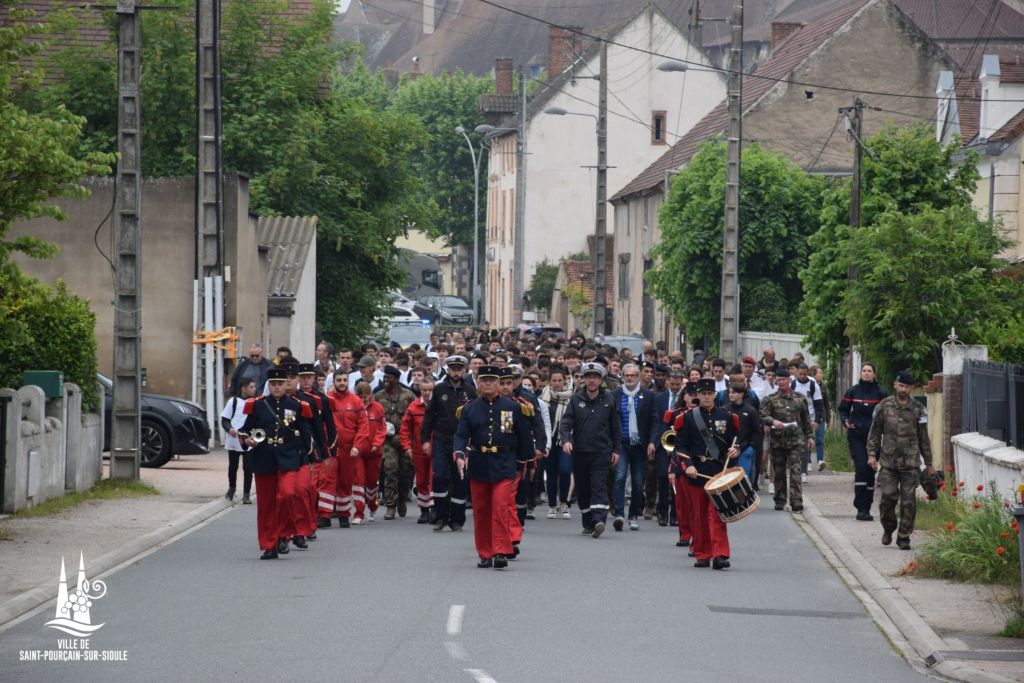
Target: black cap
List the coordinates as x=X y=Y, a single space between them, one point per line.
x=647 y=364
x=492 y=371
x=602 y=359
x=904 y=377
x=705 y=384
x=392 y=371
x=481 y=356
x=690 y=388
x=505 y=373
x=661 y=367
x=277 y=374
x=782 y=372
x=306 y=369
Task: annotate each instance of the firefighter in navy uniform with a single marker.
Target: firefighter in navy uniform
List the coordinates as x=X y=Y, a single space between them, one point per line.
x=704 y=444
x=437 y=433
x=276 y=460
x=492 y=435
x=325 y=438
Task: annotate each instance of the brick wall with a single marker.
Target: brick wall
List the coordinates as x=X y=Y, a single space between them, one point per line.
x=952 y=423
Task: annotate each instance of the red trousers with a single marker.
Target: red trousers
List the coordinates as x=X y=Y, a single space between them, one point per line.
x=346 y=475
x=494 y=508
x=305 y=523
x=710 y=537
x=365 y=484
x=682 y=503
x=515 y=526
x=325 y=478
x=278 y=505
x=424 y=496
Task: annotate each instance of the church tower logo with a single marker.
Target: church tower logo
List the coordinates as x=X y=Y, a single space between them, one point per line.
x=74 y=607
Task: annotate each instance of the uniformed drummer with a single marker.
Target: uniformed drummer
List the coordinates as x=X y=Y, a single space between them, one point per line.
x=705 y=443
x=491 y=436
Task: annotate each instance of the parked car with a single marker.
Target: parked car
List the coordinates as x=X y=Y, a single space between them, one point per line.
x=631 y=342
x=399 y=300
x=447 y=309
x=409 y=333
x=170 y=426
x=404 y=315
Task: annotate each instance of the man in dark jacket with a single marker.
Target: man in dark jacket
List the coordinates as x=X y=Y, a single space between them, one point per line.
x=638 y=422
x=591 y=434
x=255 y=367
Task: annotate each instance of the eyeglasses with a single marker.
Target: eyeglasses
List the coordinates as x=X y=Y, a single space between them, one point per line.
x=254 y=355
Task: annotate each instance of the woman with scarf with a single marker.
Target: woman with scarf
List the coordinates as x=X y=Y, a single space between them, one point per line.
x=638 y=417
x=558 y=464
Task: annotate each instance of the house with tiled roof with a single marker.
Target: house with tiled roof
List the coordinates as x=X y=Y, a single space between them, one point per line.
x=790 y=104
x=648 y=110
x=987 y=111
x=576 y=277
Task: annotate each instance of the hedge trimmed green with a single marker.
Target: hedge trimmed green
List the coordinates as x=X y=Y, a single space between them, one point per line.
x=46 y=328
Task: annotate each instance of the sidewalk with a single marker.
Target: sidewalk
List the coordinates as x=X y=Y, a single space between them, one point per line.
x=950 y=623
x=108 y=532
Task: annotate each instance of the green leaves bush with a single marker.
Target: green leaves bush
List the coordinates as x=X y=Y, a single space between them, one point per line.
x=46 y=328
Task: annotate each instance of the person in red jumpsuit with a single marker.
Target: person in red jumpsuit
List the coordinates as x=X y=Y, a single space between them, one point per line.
x=409 y=437
x=350 y=422
x=366 y=482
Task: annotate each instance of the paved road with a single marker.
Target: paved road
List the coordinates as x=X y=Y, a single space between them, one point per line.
x=396 y=602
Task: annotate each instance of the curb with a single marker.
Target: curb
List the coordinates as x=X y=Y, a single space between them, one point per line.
x=31 y=599
x=925 y=642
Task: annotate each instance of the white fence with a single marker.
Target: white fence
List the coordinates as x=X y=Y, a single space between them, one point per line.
x=981 y=460
x=785 y=345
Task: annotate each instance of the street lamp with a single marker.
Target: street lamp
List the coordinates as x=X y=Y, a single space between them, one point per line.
x=486 y=131
x=672 y=65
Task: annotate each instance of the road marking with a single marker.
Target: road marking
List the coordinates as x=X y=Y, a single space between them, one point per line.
x=455 y=650
x=480 y=675
x=455 y=613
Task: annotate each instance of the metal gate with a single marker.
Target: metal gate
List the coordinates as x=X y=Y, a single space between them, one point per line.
x=993 y=401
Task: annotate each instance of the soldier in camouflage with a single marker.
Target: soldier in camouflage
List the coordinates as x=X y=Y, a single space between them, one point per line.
x=786 y=418
x=897 y=443
x=397 y=468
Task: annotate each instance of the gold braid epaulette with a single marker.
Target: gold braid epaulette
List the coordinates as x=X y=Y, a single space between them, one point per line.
x=525 y=407
x=458 y=412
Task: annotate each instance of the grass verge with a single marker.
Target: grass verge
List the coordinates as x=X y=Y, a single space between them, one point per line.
x=6 y=534
x=1014 y=625
x=837 y=452
x=105 y=489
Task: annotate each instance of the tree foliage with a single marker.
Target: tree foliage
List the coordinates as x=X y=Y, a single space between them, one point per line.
x=313 y=140
x=905 y=171
x=542 y=284
x=443 y=103
x=778 y=212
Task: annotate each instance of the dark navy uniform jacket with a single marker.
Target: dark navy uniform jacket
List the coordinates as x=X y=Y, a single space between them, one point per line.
x=289 y=432
x=722 y=427
x=441 y=420
x=324 y=433
x=494 y=435
x=540 y=435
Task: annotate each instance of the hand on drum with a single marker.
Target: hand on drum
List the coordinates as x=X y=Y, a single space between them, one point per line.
x=691 y=472
x=733 y=453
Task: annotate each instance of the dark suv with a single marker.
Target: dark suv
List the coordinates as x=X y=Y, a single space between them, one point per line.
x=170 y=426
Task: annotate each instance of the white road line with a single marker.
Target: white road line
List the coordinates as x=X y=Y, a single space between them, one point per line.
x=456 y=651
x=480 y=675
x=455 y=613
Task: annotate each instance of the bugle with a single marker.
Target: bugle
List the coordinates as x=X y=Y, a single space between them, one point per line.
x=668 y=440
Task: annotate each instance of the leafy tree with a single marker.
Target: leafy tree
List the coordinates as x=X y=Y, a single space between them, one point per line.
x=904 y=170
x=37 y=163
x=443 y=103
x=580 y=304
x=542 y=284
x=778 y=211
x=313 y=141
x=919 y=275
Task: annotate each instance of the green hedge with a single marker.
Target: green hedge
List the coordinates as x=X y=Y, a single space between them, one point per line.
x=46 y=328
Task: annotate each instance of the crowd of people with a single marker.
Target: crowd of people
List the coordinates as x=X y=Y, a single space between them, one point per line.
x=509 y=423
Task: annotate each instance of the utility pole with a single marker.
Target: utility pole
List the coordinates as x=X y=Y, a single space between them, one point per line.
x=601 y=229
x=730 y=306
x=126 y=419
x=697 y=38
x=519 y=230
x=854 y=123
x=208 y=310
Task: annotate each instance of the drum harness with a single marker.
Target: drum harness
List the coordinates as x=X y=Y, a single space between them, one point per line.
x=709 y=441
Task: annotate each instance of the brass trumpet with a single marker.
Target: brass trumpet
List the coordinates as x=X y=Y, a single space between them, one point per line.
x=258 y=435
x=668 y=440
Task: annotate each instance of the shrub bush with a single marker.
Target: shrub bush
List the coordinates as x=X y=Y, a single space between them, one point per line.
x=46 y=328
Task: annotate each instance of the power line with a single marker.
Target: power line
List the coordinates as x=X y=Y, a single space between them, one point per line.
x=702 y=67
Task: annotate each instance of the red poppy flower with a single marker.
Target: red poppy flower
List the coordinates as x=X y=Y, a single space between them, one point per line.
x=950 y=526
x=953 y=492
x=961 y=484
x=1000 y=550
x=975 y=505
x=942 y=485
x=981 y=487
x=1004 y=534
x=911 y=566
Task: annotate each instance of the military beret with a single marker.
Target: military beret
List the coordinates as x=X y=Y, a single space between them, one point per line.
x=904 y=377
x=277 y=375
x=750 y=360
x=367 y=361
x=488 y=371
x=592 y=369
x=705 y=384
x=306 y=369
x=459 y=361
x=782 y=372
x=392 y=371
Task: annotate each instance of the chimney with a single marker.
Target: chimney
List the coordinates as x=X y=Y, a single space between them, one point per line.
x=503 y=76
x=429 y=16
x=561 y=43
x=781 y=30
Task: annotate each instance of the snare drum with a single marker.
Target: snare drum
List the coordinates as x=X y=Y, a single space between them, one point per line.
x=733 y=496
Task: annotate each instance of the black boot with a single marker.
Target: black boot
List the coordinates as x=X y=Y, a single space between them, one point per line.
x=720 y=563
x=300 y=542
x=500 y=562
x=230 y=495
x=424 y=517
x=269 y=555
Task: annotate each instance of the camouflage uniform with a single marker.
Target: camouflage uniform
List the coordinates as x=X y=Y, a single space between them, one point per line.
x=788 y=444
x=397 y=467
x=898 y=440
